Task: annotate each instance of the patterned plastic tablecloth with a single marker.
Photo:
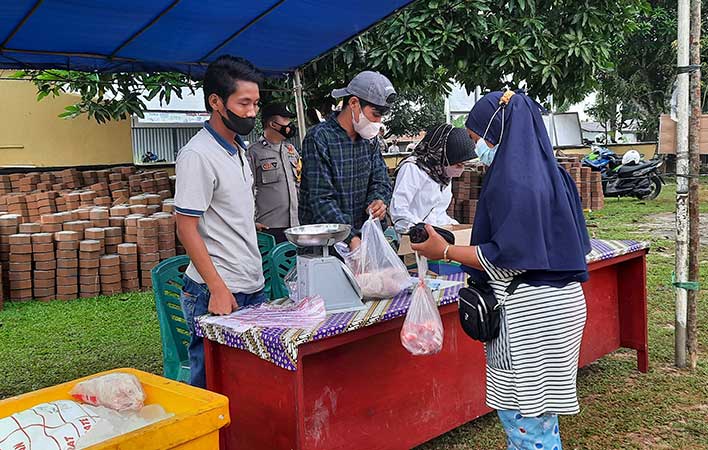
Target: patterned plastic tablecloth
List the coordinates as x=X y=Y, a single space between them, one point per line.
x=279 y=345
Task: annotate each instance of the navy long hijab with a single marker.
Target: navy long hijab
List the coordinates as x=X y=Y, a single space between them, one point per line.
x=529 y=215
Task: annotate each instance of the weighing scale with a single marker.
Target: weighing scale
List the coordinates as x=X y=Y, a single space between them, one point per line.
x=318 y=273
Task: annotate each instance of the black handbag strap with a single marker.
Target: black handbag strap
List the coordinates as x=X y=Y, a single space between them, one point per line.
x=515 y=282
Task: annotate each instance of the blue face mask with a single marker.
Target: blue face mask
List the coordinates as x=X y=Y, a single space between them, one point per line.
x=484 y=153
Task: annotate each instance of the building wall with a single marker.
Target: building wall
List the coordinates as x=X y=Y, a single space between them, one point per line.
x=32 y=135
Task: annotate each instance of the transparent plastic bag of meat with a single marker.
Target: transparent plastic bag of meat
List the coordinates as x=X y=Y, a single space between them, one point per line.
x=376 y=267
x=118 y=390
x=422 y=332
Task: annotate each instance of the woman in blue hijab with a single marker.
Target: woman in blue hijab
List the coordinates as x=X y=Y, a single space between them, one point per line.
x=529 y=225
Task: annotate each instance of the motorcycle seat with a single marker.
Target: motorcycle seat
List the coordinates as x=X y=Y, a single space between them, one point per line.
x=629 y=169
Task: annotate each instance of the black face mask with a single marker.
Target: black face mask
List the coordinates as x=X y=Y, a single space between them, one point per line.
x=287 y=131
x=237 y=124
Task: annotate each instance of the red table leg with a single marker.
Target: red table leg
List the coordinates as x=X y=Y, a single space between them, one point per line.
x=632 y=287
x=616 y=299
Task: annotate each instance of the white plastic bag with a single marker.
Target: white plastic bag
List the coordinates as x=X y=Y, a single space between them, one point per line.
x=376 y=267
x=111 y=423
x=119 y=391
x=56 y=425
x=290 y=281
x=422 y=332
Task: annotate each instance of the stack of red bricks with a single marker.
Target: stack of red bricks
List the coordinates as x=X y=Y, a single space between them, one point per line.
x=113 y=238
x=47 y=180
x=111 y=280
x=68 y=179
x=166 y=235
x=67 y=252
x=45 y=265
x=40 y=203
x=148 y=248
x=34 y=194
x=465 y=194
x=16 y=204
x=597 y=197
x=28 y=183
x=135 y=244
x=5 y=184
x=148 y=182
x=130 y=275
x=58 y=210
x=8 y=227
x=89 y=232
x=588 y=182
x=20 y=267
x=89 y=264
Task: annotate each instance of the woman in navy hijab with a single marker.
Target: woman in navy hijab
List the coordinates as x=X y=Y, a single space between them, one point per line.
x=529 y=225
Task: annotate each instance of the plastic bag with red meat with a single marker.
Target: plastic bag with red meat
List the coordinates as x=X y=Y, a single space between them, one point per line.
x=376 y=267
x=422 y=332
x=118 y=390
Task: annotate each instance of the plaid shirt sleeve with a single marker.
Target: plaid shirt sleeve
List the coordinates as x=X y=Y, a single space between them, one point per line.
x=379 y=181
x=317 y=173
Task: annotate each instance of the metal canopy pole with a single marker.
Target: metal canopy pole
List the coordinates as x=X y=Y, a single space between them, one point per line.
x=299 y=105
x=682 y=224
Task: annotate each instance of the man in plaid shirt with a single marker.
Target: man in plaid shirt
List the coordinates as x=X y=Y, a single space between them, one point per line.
x=344 y=176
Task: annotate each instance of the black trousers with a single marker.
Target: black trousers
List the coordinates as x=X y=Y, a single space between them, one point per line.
x=277 y=233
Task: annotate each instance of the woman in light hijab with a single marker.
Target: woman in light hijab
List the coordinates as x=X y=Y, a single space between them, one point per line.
x=529 y=227
x=423 y=189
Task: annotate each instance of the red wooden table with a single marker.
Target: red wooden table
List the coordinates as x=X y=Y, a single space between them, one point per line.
x=362 y=390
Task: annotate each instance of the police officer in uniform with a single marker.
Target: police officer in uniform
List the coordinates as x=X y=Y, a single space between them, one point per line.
x=276 y=169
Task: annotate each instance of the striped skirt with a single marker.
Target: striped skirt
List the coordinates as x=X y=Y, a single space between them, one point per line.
x=532 y=366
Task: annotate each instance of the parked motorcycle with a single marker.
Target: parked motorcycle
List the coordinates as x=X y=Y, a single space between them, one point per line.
x=150 y=157
x=633 y=178
x=602 y=159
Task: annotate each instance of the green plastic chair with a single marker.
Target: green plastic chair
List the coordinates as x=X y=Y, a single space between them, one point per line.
x=283 y=260
x=392 y=237
x=167 y=286
x=266 y=244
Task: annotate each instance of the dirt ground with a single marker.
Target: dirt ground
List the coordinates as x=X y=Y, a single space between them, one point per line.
x=664 y=226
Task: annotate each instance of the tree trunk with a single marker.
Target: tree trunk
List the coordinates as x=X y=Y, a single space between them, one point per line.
x=693 y=187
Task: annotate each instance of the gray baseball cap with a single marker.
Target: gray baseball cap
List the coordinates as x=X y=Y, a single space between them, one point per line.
x=371 y=87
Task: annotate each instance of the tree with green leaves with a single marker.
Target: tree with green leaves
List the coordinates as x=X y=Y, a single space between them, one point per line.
x=640 y=88
x=108 y=96
x=413 y=112
x=549 y=46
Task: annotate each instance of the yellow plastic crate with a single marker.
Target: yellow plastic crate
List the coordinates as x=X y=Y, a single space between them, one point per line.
x=198 y=414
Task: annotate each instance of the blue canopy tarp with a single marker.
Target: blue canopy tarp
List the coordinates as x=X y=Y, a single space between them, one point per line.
x=173 y=35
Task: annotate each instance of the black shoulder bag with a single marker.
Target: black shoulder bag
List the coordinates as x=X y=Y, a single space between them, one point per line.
x=480 y=310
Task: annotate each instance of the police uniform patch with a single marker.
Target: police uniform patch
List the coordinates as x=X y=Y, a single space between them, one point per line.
x=269 y=165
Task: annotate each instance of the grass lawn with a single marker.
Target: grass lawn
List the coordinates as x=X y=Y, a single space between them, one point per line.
x=43 y=344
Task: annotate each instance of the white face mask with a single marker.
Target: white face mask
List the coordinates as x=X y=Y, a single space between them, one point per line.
x=484 y=152
x=453 y=171
x=365 y=128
